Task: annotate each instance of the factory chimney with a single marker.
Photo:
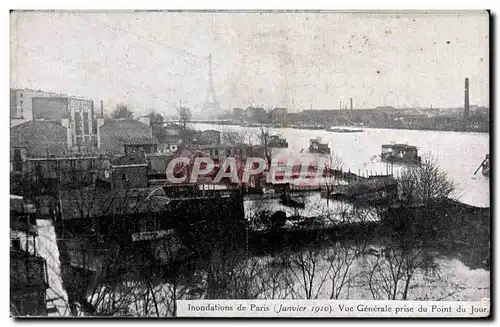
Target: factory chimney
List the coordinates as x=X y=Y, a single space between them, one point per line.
x=102 y=109
x=351 y=103
x=466 y=100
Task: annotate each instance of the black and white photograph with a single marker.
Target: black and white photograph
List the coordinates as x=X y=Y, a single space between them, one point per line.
x=250 y=163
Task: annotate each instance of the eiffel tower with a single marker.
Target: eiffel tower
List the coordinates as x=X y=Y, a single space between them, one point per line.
x=211 y=104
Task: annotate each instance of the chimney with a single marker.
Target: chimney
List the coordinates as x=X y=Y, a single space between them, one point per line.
x=102 y=109
x=340 y=104
x=100 y=122
x=466 y=100
x=351 y=103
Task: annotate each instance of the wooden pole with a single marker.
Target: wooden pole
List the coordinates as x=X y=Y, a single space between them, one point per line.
x=482 y=162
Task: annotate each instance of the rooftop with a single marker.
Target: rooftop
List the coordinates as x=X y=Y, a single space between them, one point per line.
x=141 y=141
x=399 y=145
x=129 y=160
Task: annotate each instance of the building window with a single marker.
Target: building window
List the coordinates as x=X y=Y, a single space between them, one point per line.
x=18 y=163
x=78 y=125
x=21 y=102
x=20 y=95
x=86 y=123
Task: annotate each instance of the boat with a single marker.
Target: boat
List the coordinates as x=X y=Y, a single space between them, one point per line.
x=307 y=127
x=344 y=130
x=400 y=154
x=484 y=166
x=316 y=146
x=277 y=142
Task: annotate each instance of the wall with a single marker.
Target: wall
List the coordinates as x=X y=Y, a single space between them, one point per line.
x=81 y=112
x=129 y=177
x=40 y=138
x=69 y=170
x=144 y=148
x=50 y=108
x=158 y=163
x=21 y=103
x=113 y=134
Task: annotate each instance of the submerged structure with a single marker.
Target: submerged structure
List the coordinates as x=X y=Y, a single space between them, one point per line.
x=400 y=153
x=316 y=146
x=275 y=141
x=484 y=166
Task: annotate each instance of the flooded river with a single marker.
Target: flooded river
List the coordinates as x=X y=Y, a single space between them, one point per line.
x=458 y=154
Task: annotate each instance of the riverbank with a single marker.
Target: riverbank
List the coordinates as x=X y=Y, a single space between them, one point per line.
x=460 y=231
x=457 y=129
x=359 y=151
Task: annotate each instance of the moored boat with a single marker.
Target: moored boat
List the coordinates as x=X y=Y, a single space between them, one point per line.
x=316 y=146
x=400 y=154
x=344 y=130
x=276 y=141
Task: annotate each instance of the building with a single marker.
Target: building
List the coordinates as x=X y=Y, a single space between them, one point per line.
x=278 y=116
x=158 y=163
x=207 y=137
x=238 y=114
x=222 y=151
x=172 y=129
x=71 y=170
x=21 y=104
x=168 y=148
x=28 y=270
x=36 y=139
x=121 y=135
x=77 y=114
x=129 y=171
x=141 y=145
x=256 y=115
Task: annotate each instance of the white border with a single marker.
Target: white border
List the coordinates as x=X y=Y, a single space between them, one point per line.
x=494 y=5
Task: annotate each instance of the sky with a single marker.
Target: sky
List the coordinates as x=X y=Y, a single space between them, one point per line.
x=297 y=60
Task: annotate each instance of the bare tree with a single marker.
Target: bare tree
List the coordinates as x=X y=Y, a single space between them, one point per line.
x=233 y=276
x=184 y=116
x=235 y=137
x=392 y=271
x=411 y=230
x=265 y=141
x=309 y=272
x=341 y=259
x=425 y=183
x=122 y=111
x=278 y=283
x=333 y=165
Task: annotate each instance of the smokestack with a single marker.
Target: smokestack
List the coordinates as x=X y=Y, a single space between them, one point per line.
x=102 y=109
x=351 y=103
x=466 y=100
x=340 y=104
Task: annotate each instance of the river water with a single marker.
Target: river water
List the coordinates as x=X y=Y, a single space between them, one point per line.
x=458 y=154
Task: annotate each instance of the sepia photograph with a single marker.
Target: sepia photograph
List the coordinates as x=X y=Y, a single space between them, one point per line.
x=250 y=163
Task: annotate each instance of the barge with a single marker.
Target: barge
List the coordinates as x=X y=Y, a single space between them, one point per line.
x=276 y=141
x=400 y=154
x=316 y=146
